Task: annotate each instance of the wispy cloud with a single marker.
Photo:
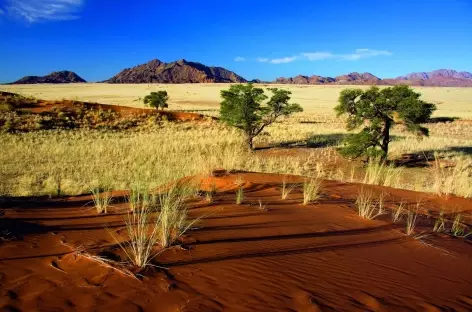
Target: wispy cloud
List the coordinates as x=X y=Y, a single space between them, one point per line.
x=239 y=59
x=281 y=60
x=324 y=55
x=365 y=53
x=43 y=10
x=318 y=56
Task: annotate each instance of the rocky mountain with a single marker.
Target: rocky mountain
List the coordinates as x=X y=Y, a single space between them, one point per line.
x=356 y=78
x=352 y=78
x=54 y=77
x=438 y=78
x=180 y=71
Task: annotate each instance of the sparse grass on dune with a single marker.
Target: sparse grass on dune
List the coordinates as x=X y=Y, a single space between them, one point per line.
x=154 y=222
x=102 y=199
x=311 y=190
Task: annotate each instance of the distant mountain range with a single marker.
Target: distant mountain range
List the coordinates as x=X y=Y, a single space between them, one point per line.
x=439 y=78
x=183 y=71
x=180 y=71
x=54 y=77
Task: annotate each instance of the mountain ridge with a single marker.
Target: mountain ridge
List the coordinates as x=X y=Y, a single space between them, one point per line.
x=181 y=71
x=63 y=76
x=439 y=78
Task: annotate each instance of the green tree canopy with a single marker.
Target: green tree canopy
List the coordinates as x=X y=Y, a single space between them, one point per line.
x=245 y=107
x=157 y=99
x=378 y=110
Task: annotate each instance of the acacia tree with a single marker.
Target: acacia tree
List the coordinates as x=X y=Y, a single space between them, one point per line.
x=378 y=110
x=157 y=99
x=243 y=107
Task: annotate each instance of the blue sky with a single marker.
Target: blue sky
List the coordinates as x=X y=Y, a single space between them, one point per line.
x=256 y=39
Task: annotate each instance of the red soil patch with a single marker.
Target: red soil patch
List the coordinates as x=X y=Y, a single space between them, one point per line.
x=44 y=106
x=291 y=257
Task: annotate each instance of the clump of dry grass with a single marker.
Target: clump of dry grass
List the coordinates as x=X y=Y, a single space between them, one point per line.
x=155 y=220
x=440 y=222
x=239 y=195
x=368 y=205
x=143 y=234
x=311 y=190
x=173 y=219
x=458 y=228
x=411 y=219
x=379 y=173
x=239 y=182
x=209 y=194
x=287 y=188
x=365 y=204
x=397 y=212
x=102 y=198
x=262 y=206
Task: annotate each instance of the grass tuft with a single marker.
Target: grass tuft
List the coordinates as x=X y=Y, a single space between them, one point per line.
x=102 y=199
x=440 y=223
x=287 y=188
x=366 y=206
x=411 y=219
x=239 y=195
x=143 y=234
x=173 y=219
x=311 y=190
x=398 y=212
x=458 y=228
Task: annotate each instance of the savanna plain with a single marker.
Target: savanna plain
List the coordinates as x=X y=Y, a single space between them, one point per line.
x=177 y=214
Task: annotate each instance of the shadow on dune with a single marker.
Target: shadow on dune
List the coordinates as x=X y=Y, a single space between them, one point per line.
x=442 y=119
x=422 y=159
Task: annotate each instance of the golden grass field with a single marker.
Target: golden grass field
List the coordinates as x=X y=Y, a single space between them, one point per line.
x=451 y=102
x=73 y=162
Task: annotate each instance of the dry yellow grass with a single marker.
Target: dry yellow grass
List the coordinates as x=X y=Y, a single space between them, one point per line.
x=451 y=102
x=73 y=162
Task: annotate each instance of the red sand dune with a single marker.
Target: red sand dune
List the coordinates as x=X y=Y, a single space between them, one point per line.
x=319 y=257
x=44 y=105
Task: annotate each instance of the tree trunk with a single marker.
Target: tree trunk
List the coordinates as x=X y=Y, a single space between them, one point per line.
x=386 y=138
x=249 y=142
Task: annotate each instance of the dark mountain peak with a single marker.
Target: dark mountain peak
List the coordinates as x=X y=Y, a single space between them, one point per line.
x=181 y=71
x=63 y=76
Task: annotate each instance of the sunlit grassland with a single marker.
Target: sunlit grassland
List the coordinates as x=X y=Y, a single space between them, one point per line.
x=73 y=162
x=451 y=102
x=76 y=161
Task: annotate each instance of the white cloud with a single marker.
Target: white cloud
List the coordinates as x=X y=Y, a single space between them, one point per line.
x=364 y=53
x=43 y=10
x=239 y=59
x=324 y=55
x=281 y=60
x=318 y=56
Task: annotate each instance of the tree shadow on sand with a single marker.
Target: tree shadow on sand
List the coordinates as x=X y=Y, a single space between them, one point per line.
x=315 y=141
x=424 y=158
